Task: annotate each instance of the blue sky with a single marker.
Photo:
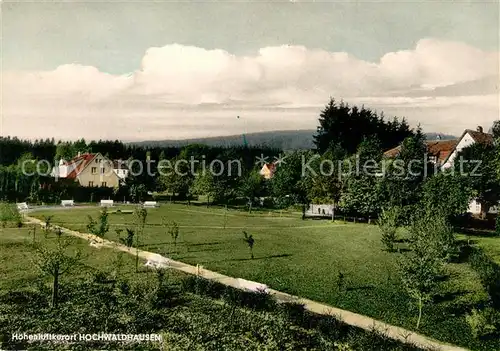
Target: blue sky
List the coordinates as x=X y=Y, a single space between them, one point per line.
x=400 y=47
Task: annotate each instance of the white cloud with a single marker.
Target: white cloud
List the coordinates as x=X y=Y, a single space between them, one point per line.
x=184 y=91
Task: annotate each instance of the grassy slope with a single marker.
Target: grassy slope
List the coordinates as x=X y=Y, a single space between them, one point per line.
x=304 y=258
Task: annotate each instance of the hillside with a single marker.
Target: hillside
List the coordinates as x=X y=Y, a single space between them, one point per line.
x=281 y=139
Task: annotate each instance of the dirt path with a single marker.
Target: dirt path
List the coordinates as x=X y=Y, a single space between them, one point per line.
x=347 y=317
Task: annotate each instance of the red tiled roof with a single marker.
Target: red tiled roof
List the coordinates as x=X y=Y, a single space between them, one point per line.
x=271 y=167
x=392 y=152
x=79 y=163
x=441 y=149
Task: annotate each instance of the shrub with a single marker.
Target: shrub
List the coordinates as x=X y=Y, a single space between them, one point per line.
x=202 y=286
x=100 y=226
x=129 y=240
x=483 y=323
x=9 y=214
x=489 y=273
x=250 y=242
x=253 y=300
x=497 y=226
x=387 y=223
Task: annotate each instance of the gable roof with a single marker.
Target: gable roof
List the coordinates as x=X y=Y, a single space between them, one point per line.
x=270 y=167
x=479 y=137
x=79 y=163
x=441 y=149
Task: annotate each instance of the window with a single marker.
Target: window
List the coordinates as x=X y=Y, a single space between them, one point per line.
x=103 y=184
x=102 y=170
x=433 y=159
x=94 y=170
x=91 y=184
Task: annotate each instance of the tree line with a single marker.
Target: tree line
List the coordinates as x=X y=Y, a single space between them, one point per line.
x=347 y=135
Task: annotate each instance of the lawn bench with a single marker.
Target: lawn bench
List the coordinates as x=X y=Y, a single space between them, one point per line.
x=22 y=206
x=151 y=204
x=65 y=203
x=107 y=203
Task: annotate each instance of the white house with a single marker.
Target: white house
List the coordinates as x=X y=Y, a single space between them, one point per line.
x=90 y=170
x=121 y=169
x=468 y=138
x=444 y=153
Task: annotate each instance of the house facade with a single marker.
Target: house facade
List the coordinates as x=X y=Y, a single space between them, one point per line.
x=89 y=170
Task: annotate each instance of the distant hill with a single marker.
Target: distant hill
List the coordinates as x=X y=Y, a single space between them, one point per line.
x=434 y=136
x=280 y=139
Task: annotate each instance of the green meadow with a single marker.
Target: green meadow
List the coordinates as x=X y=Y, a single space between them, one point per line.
x=305 y=258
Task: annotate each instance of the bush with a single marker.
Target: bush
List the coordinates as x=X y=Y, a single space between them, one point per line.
x=432 y=229
x=387 y=223
x=483 y=323
x=203 y=287
x=489 y=274
x=9 y=215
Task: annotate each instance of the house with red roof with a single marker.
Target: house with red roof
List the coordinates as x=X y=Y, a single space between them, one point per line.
x=89 y=170
x=444 y=153
x=438 y=150
x=267 y=170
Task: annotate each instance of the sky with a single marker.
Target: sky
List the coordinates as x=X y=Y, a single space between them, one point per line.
x=148 y=70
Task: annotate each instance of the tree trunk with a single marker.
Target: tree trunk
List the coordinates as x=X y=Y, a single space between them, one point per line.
x=250 y=207
x=420 y=307
x=137 y=260
x=303 y=211
x=55 y=288
x=484 y=210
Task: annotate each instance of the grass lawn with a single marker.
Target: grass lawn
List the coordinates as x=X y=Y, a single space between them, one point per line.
x=18 y=269
x=303 y=258
x=197 y=323
x=490 y=245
